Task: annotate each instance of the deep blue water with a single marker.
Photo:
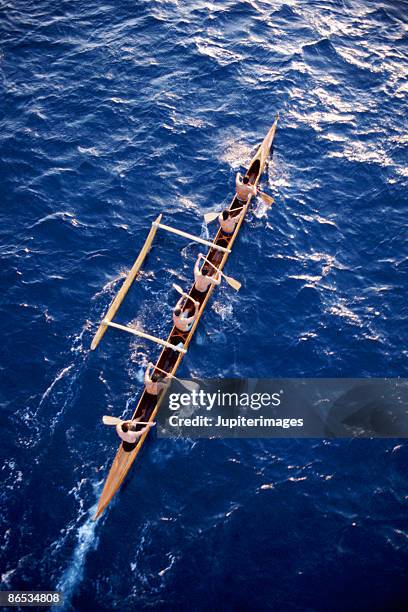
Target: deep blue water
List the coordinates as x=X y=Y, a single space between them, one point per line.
x=110 y=113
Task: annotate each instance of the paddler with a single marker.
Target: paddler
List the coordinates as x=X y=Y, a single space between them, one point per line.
x=154 y=387
x=243 y=188
x=228 y=223
x=182 y=318
x=202 y=279
x=128 y=432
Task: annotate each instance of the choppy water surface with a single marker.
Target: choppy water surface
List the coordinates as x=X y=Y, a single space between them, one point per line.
x=112 y=112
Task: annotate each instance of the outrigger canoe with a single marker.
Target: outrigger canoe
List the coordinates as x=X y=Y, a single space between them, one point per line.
x=177 y=342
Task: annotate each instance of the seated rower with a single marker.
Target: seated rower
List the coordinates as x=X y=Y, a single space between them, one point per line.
x=243 y=188
x=153 y=387
x=128 y=432
x=182 y=318
x=202 y=279
x=228 y=223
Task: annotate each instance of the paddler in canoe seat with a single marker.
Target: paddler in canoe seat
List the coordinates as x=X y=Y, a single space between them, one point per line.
x=182 y=318
x=228 y=223
x=128 y=432
x=243 y=188
x=202 y=277
x=153 y=387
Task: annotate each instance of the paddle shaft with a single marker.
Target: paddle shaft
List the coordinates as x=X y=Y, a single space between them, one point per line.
x=181 y=292
x=167 y=373
x=212 y=216
x=110 y=420
x=232 y=282
x=215 y=268
x=144 y=422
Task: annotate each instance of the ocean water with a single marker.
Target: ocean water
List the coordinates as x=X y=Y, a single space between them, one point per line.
x=112 y=112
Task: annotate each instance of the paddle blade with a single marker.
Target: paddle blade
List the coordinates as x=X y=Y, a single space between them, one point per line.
x=233 y=283
x=189 y=385
x=266 y=198
x=178 y=289
x=110 y=420
x=212 y=216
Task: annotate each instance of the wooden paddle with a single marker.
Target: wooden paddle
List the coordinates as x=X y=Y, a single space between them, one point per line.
x=181 y=292
x=212 y=216
x=189 y=385
x=111 y=420
x=231 y=281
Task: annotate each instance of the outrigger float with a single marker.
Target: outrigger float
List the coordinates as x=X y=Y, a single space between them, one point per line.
x=177 y=342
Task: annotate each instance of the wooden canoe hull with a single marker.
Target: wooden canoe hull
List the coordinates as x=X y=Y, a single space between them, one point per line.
x=169 y=360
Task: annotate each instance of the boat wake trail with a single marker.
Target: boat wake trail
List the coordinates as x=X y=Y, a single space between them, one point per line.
x=55 y=434
x=72 y=576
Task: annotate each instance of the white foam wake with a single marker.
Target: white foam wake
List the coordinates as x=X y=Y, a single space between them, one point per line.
x=86 y=541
